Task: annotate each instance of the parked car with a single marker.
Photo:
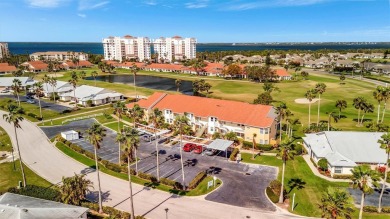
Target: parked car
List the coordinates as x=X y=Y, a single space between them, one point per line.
x=210 y=152
x=5 y=91
x=188 y=147
x=198 y=149
x=30 y=101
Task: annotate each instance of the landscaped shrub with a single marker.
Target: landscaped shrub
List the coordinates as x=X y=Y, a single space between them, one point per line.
x=172 y=183
x=66 y=111
x=233 y=155
x=271 y=195
x=298 y=149
x=342 y=176
x=275 y=186
x=47 y=193
x=323 y=164
x=68 y=143
x=371 y=209
x=263 y=147
x=385 y=210
x=114 y=167
x=32 y=115
x=147 y=177
x=112 y=212
x=198 y=178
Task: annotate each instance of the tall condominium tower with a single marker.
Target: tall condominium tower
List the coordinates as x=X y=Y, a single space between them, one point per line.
x=4 y=52
x=175 y=48
x=127 y=47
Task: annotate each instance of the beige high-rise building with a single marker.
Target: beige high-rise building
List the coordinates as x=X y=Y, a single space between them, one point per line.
x=4 y=52
x=126 y=48
x=175 y=48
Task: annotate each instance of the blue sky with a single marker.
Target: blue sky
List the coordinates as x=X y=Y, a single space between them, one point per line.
x=207 y=20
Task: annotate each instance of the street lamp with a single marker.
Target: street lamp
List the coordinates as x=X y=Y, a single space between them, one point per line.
x=166 y=213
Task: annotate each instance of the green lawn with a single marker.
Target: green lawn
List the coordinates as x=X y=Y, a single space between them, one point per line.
x=306 y=199
x=10 y=178
x=79 y=116
x=114 y=125
x=199 y=190
x=5 y=141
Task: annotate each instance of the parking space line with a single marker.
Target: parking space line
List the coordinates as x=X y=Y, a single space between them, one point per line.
x=163 y=175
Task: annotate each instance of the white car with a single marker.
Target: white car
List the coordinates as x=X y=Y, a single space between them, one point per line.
x=30 y=101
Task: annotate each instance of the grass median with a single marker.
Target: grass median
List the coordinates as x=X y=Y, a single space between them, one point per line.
x=199 y=190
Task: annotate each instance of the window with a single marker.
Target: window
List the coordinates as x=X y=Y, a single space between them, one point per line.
x=261 y=141
x=261 y=130
x=338 y=169
x=266 y=130
x=211 y=129
x=266 y=142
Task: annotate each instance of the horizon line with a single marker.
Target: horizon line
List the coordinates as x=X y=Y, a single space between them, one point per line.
x=215 y=42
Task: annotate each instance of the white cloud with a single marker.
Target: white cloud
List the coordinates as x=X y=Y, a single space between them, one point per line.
x=91 y=4
x=46 y=3
x=197 y=4
x=241 y=5
x=150 y=2
x=82 y=15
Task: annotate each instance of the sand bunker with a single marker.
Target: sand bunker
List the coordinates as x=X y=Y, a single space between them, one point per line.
x=305 y=101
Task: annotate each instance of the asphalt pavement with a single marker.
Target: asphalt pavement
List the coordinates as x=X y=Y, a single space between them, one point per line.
x=44 y=104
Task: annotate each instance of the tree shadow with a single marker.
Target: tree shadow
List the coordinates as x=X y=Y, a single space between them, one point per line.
x=296 y=183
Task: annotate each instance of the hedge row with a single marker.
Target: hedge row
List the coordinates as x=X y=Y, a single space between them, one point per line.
x=112 y=212
x=46 y=193
x=374 y=209
x=233 y=155
x=263 y=147
x=198 y=178
x=342 y=176
x=147 y=176
x=172 y=183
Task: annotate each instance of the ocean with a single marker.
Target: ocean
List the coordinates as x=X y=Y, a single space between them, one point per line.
x=97 y=48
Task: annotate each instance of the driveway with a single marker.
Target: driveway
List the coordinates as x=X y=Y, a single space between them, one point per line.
x=243 y=184
x=44 y=104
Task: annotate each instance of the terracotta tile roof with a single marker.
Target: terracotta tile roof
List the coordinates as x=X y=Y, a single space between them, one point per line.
x=165 y=66
x=224 y=110
x=111 y=62
x=215 y=68
x=282 y=72
x=38 y=65
x=130 y=64
x=5 y=67
x=85 y=63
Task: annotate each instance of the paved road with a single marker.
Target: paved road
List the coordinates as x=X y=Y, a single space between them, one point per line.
x=46 y=160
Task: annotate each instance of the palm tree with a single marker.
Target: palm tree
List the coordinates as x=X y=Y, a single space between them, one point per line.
x=335 y=118
x=131 y=142
x=336 y=203
x=95 y=136
x=53 y=84
x=270 y=87
x=363 y=177
x=281 y=111
x=320 y=89
x=310 y=95
x=157 y=119
x=286 y=153
x=386 y=96
x=357 y=103
x=14 y=117
x=293 y=123
x=73 y=81
x=137 y=113
x=180 y=125
x=38 y=90
x=341 y=104
x=16 y=88
x=94 y=74
x=118 y=111
x=385 y=144
x=178 y=84
x=83 y=74
x=253 y=145
x=378 y=96
x=74 y=189
x=367 y=108
x=46 y=80
x=134 y=69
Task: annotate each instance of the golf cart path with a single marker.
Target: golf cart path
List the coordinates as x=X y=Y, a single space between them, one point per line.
x=40 y=155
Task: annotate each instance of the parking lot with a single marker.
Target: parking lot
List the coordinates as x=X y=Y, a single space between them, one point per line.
x=373 y=198
x=243 y=184
x=44 y=104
